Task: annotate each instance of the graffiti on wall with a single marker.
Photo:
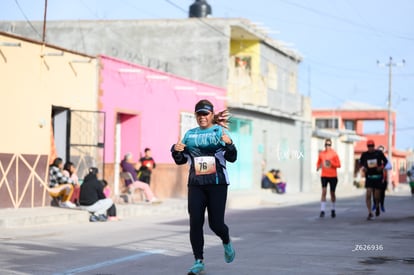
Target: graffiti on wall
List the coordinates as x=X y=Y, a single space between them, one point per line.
x=200 y=59
x=141 y=59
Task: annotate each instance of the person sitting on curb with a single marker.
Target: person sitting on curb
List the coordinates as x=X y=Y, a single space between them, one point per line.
x=93 y=200
x=280 y=185
x=60 y=187
x=69 y=170
x=108 y=194
x=272 y=180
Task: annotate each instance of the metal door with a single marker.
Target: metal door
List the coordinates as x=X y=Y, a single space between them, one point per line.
x=87 y=141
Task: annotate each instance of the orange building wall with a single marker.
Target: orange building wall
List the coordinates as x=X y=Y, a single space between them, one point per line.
x=359 y=116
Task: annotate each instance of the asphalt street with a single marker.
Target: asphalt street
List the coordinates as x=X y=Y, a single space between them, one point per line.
x=289 y=239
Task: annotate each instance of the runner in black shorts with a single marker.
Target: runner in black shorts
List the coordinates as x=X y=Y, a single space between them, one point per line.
x=332 y=183
x=374 y=181
x=372 y=163
x=328 y=162
x=383 y=185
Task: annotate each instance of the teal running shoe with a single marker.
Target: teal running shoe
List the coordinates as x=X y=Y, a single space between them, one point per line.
x=197 y=268
x=229 y=252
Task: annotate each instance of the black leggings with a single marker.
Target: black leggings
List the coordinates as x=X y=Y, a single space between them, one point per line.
x=212 y=197
x=382 y=189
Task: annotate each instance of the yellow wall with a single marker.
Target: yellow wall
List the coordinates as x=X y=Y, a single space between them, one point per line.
x=246 y=86
x=30 y=85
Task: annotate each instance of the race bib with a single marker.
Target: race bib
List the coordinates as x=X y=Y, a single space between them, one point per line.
x=372 y=163
x=205 y=165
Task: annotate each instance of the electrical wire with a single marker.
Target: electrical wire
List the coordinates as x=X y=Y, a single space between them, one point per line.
x=27 y=19
x=332 y=95
x=199 y=18
x=343 y=19
x=365 y=26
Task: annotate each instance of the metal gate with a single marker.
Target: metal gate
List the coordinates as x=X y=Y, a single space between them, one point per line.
x=87 y=141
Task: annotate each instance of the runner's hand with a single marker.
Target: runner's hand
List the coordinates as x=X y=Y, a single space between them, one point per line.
x=226 y=138
x=179 y=146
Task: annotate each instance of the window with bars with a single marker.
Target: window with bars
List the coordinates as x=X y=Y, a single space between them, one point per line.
x=326 y=123
x=188 y=121
x=350 y=125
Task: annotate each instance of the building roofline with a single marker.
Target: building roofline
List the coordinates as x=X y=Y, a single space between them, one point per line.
x=252 y=30
x=40 y=43
x=155 y=71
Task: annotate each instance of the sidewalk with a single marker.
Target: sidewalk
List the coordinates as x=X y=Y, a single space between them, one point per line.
x=43 y=216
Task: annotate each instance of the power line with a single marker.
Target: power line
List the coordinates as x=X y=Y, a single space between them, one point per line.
x=27 y=19
x=343 y=19
x=199 y=18
x=405 y=129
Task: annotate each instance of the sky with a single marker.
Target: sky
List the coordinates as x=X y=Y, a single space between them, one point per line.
x=346 y=45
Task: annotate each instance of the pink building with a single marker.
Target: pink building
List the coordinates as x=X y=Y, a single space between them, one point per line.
x=148 y=108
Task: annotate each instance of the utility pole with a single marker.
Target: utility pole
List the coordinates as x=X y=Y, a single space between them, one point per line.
x=44 y=23
x=390 y=64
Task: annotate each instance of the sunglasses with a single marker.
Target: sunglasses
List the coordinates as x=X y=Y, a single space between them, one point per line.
x=203 y=113
x=370 y=145
x=328 y=144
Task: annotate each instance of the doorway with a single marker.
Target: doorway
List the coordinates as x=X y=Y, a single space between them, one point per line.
x=79 y=137
x=127 y=139
x=61 y=131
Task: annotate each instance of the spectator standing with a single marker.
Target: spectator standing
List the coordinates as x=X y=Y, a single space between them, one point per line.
x=146 y=164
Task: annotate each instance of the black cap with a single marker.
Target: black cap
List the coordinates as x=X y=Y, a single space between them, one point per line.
x=93 y=170
x=204 y=107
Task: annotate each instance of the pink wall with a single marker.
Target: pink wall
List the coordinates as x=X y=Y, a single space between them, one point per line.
x=129 y=134
x=154 y=100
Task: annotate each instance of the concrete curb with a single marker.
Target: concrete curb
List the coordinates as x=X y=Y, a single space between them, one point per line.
x=43 y=216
